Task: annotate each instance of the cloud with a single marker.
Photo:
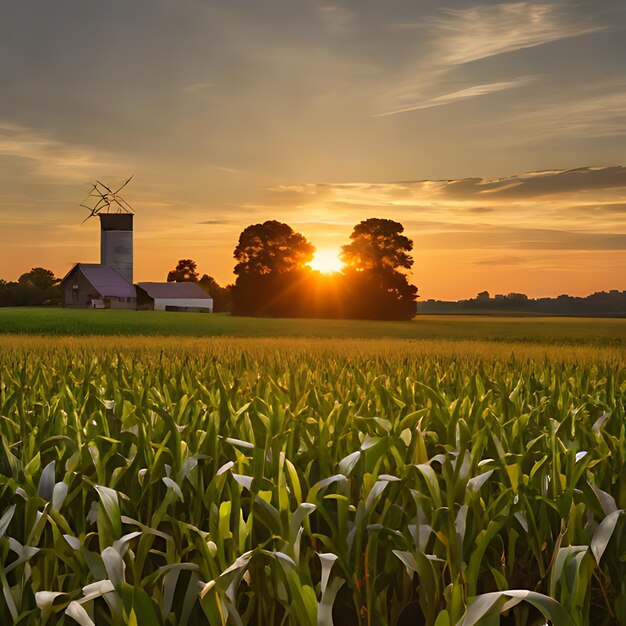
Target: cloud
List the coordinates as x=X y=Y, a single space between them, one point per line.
x=197 y=87
x=501 y=260
x=456 y=37
x=596 y=111
x=547 y=210
x=531 y=185
x=50 y=157
x=517 y=238
x=336 y=19
x=540 y=184
x=462 y=94
x=467 y=35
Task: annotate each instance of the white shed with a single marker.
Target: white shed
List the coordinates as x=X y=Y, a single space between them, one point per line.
x=173 y=297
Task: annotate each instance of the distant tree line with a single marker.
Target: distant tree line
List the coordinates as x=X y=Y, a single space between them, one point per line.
x=34 y=288
x=274 y=278
x=602 y=303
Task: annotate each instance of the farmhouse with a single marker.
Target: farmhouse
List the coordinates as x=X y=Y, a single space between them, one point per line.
x=109 y=284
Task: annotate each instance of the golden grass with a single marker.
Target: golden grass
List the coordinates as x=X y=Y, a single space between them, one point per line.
x=232 y=347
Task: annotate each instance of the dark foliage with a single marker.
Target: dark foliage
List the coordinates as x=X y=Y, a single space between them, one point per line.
x=378 y=245
x=601 y=304
x=34 y=288
x=274 y=280
x=222 y=296
x=271 y=248
x=272 y=277
x=184 y=272
x=375 y=285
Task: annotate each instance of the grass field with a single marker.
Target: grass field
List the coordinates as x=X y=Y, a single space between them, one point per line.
x=312 y=481
x=574 y=331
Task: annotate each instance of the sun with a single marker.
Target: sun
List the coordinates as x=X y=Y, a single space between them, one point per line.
x=326 y=261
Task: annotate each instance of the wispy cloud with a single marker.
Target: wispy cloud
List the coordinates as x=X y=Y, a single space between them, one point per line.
x=462 y=94
x=50 y=157
x=200 y=87
x=539 y=210
x=456 y=37
x=467 y=35
x=599 y=111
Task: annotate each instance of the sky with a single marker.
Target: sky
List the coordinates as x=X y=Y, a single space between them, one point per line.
x=495 y=132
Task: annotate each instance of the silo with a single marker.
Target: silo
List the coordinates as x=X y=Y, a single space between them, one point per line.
x=116 y=243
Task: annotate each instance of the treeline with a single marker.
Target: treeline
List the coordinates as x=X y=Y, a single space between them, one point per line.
x=274 y=278
x=34 y=288
x=602 y=303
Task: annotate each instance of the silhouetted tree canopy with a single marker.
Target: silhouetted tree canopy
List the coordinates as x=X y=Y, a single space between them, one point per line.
x=271 y=248
x=378 y=244
x=34 y=288
x=272 y=276
x=222 y=296
x=38 y=277
x=375 y=285
x=184 y=272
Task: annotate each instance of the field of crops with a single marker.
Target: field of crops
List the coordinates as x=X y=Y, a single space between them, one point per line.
x=289 y=481
x=528 y=330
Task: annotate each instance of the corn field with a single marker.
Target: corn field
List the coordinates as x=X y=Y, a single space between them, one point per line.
x=270 y=482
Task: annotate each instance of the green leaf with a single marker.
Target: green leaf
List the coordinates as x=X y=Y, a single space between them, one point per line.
x=603 y=534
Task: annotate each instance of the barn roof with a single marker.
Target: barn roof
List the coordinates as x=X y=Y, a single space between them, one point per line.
x=174 y=291
x=105 y=280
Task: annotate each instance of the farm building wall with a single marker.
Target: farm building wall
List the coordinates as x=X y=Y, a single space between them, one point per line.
x=78 y=291
x=203 y=304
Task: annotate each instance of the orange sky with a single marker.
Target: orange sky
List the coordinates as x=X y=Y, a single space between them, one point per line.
x=229 y=114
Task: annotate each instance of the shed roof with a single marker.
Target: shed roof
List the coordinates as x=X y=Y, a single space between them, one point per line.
x=105 y=280
x=174 y=291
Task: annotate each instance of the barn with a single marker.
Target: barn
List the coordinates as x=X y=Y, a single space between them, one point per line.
x=109 y=284
x=173 y=297
x=93 y=285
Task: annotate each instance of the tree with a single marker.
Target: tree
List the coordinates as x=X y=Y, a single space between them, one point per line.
x=222 y=296
x=378 y=244
x=38 y=277
x=272 y=277
x=34 y=288
x=184 y=272
x=375 y=284
x=271 y=248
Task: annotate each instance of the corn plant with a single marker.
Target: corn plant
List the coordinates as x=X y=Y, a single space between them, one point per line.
x=286 y=482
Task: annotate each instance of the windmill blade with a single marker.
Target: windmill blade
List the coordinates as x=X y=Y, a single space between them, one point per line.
x=89 y=195
x=124 y=185
x=101 y=198
x=121 y=207
x=126 y=205
x=93 y=212
x=103 y=185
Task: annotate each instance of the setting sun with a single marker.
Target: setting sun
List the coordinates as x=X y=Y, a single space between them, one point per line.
x=326 y=261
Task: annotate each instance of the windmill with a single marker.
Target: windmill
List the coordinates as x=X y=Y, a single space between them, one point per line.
x=103 y=199
x=116 y=226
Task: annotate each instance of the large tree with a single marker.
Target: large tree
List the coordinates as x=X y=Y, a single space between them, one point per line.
x=377 y=259
x=38 y=277
x=378 y=244
x=185 y=272
x=272 y=277
x=271 y=248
